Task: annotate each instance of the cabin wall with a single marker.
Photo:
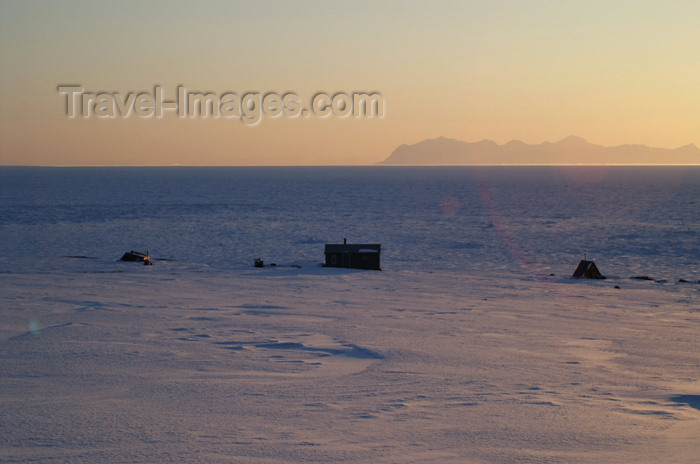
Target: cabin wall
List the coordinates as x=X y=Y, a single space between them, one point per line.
x=353 y=260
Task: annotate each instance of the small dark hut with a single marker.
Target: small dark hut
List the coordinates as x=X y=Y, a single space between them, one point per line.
x=136 y=256
x=587 y=270
x=354 y=256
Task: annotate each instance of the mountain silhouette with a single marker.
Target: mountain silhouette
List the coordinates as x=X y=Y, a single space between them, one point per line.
x=571 y=150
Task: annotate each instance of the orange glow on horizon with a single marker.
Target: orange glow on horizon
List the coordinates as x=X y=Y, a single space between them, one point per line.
x=469 y=71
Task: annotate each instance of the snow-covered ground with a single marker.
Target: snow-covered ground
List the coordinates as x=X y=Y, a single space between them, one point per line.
x=471 y=346
x=282 y=365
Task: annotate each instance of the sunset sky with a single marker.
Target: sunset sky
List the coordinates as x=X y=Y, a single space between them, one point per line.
x=613 y=73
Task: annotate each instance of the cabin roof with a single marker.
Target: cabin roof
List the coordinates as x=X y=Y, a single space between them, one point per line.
x=353 y=248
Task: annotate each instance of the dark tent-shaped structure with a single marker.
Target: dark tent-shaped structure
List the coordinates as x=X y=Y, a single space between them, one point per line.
x=587 y=270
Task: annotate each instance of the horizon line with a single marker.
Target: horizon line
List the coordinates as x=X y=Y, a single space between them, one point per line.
x=379 y=164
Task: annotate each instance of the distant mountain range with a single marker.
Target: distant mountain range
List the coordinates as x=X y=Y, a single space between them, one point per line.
x=571 y=150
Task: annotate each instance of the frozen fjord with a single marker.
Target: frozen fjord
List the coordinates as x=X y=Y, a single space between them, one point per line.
x=463 y=350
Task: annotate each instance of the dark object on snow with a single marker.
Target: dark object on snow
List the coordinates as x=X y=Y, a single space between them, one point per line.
x=617 y=286
x=353 y=256
x=137 y=256
x=587 y=270
x=641 y=278
x=258 y=262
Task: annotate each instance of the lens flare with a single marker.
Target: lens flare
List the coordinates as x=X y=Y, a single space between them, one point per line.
x=34 y=327
x=450 y=206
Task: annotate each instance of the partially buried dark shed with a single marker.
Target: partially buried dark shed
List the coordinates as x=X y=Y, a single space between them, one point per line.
x=587 y=270
x=354 y=256
x=132 y=255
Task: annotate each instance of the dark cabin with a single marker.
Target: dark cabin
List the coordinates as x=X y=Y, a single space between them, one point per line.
x=137 y=256
x=354 y=256
x=587 y=270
